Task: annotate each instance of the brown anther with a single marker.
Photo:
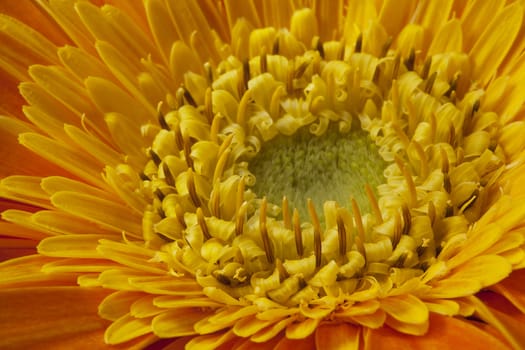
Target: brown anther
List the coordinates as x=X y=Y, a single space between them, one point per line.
x=155 y=157
x=386 y=46
x=275 y=102
x=373 y=202
x=341 y=232
x=144 y=177
x=208 y=69
x=287 y=222
x=453 y=86
x=396 y=235
x=208 y=106
x=240 y=218
x=411 y=59
x=186 y=145
x=264 y=232
x=190 y=183
x=358 y=221
x=426 y=67
x=179 y=140
x=179 y=97
x=275 y=46
x=168 y=176
x=342 y=50
x=475 y=107
x=162 y=120
x=297 y=233
x=202 y=224
x=377 y=74
x=407 y=219
x=239 y=200
x=358 y=43
x=429 y=84
x=263 y=63
x=452 y=135
x=444 y=161
x=319 y=46
x=299 y=71
x=161 y=213
x=317 y=232
x=187 y=96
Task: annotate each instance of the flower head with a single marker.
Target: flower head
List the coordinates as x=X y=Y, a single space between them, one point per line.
x=294 y=174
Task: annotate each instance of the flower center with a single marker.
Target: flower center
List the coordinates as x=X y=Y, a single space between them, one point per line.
x=330 y=167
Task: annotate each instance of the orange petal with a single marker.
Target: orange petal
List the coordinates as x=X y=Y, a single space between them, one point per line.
x=444 y=333
x=295 y=344
x=513 y=289
x=342 y=336
x=34 y=315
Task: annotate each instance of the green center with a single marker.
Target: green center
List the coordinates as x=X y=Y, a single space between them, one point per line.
x=330 y=167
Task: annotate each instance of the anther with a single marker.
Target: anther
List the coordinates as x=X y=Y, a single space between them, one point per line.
x=429 y=84
x=317 y=232
x=208 y=105
x=299 y=71
x=275 y=46
x=144 y=177
x=373 y=202
x=283 y=274
x=240 y=218
x=319 y=47
x=215 y=200
x=221 y=164
x=179 y=214
x=411 y=59
x=187 y=151
x=215 y=127
x=341 y=232
x=245 y=77
x=202 y=224
x=264 y=232
x=187 y=96
x=161 y=212
x=190 y=183
x=396 y=235
x=395 y=68
x=162 y=120
x=155 y=157
x=286 y=214
x=168 y=176
x=263 y=63
x=358 y=221
x=377 y=74
x=209 y=72
x=358 y=43
x=407 y=222
x=426 y=67
x=297 y=233
x=453 y=85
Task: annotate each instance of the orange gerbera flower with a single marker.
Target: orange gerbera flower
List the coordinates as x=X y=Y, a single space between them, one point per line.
x=262 y=174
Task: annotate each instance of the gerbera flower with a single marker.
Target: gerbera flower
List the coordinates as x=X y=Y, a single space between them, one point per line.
x=262 y=174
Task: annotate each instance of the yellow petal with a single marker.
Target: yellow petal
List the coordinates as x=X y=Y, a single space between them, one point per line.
x=405 y=308
x=177 y=323
x=126 y=328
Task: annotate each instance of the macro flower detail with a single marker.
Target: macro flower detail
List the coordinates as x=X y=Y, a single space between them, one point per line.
x=223 y=174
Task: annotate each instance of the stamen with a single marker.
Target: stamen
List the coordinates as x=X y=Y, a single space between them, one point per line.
x=155 y=157
x=215 y=200
x=297 y=233
x=243 y=105
x=240 y=218
x=187 y=151
x=168 y=176
x=275 y=102
x=341 y=232
x=358 y=222
x=162 y=120
x=407 y=222
x=395 y=68
x=179 y=214
x=208 y=106
x=179 y=141
x=221 y=164
x=283 y=274
x=275 y=46
x=245 y=77
x=373 y=202
x=286 y=214
x=144 y=177
x=396 y=235
x=319 y=46
x=377 y=75
x=202 y=224
x=411 y=59
x=226 y=143
x=264 y=232
x=188 y=97
x=453 y=85
x=359 y=43
x=317 y=232
x=426 y=67
x=263 y=63
x=429 y=84
x=299 y=71
x=209 y=72
x=190 y=183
